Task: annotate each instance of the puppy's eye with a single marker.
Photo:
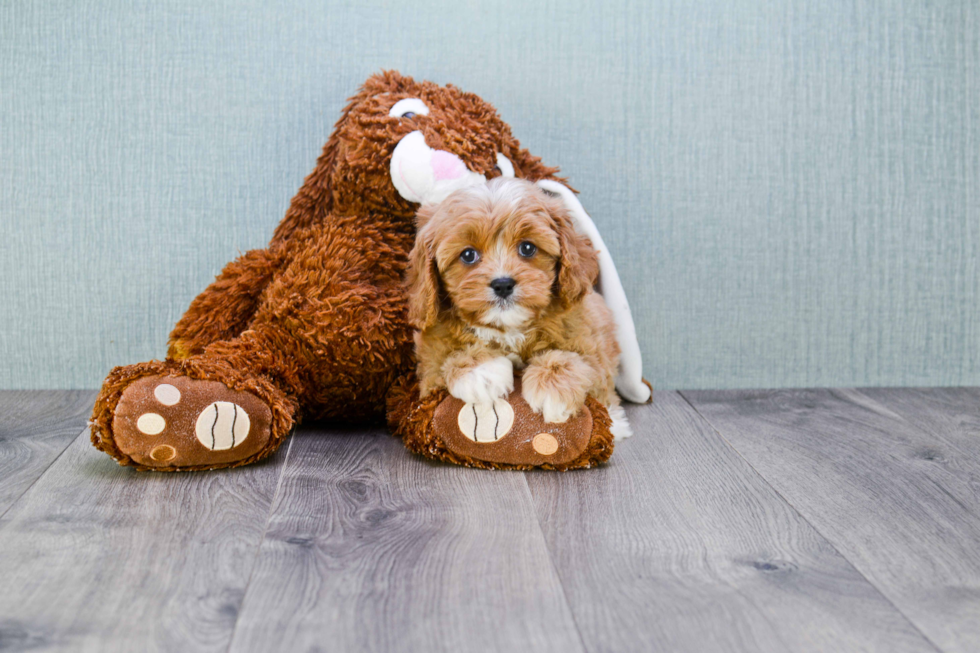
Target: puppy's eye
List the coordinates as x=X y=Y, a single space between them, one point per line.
x=469 y=256
x=527 y=249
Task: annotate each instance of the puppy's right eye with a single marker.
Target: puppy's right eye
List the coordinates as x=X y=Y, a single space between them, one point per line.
x=469 y=256
x=527 y=249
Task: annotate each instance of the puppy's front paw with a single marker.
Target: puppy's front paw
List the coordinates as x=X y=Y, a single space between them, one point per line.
x=483 y=383
x=549 y=403
x=555 y=385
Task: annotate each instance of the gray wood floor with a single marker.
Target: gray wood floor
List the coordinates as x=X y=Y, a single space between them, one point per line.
x=795 y=520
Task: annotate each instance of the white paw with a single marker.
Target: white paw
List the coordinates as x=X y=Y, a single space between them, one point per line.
x=485 y=383
x=548 y=404
x=620 y=425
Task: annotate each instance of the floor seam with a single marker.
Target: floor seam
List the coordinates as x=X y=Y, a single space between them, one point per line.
x=551 y=560
x=900 y=414
x=258 y=547
x=84 y=431
x=810 y=524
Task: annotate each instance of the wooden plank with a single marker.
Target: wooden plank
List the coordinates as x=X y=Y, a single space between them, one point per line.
x=678 y=545
x=950 y=415
x=900 y=504
x=35 y=427
x=372 y=549
x=98 y=557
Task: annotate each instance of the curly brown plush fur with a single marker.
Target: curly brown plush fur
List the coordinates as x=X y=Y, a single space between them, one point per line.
x=315 y=325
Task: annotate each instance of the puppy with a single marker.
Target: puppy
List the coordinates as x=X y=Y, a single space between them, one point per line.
x=500 y=280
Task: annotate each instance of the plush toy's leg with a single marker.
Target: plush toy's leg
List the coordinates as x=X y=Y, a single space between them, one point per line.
x=219 y=409
x=328 y=335
x=506 y=435
x=237 y=401
x=226 y=306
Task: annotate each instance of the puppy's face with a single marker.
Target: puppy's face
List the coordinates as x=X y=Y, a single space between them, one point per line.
x=499 y=254
x=498 y=261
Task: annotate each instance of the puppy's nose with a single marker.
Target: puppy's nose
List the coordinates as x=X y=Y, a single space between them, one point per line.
x=503 y=286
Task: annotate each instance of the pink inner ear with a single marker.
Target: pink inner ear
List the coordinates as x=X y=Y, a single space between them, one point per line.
x=446 y=165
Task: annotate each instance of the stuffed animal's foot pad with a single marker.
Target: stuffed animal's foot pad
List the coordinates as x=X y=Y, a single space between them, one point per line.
x=508 y=432
x=486 y=422
x=175 y=422
x=222 y=425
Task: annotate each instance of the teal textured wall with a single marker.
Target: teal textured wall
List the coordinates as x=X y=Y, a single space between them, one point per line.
x=791 y=188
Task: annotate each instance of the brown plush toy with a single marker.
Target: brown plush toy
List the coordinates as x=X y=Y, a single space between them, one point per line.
x=315 y=325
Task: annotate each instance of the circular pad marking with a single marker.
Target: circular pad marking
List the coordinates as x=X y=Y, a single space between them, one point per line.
x=545 y=444
x=167 y=394
x=150 y=423
x=486 y=422
x=222 y=425
x=163 y=453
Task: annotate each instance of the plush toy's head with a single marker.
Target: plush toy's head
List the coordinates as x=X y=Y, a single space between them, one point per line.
x=400 y=144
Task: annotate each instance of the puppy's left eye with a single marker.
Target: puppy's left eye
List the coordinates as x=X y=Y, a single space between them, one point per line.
x=527 y=249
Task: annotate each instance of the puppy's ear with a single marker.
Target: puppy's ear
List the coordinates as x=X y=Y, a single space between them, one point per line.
x=422 y=282
x=424 y=214
x=578 y=265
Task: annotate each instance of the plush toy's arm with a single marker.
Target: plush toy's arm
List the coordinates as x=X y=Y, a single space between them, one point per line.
x=225 y=307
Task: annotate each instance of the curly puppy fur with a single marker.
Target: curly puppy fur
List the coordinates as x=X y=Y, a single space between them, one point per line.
x=499 y=278
x=316 y=324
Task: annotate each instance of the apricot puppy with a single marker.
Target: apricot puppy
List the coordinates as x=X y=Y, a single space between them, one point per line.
x=499 y=279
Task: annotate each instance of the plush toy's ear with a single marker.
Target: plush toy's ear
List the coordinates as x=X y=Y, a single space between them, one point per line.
x=422 y=282
x=578 y=265
x=315 y=198
x=629 y=382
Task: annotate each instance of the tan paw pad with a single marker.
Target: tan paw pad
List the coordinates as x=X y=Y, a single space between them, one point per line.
x=486 y=422
x=151 y=423
x=163 y=453
x=222 y=425
x=167 y=394
x=545 y=444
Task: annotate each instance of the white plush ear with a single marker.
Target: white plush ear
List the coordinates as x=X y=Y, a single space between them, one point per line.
x=629 y=383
